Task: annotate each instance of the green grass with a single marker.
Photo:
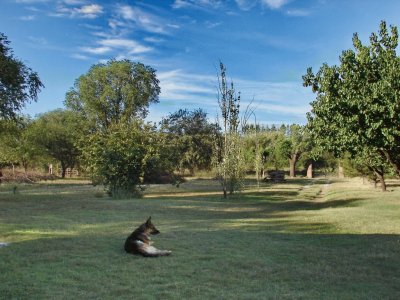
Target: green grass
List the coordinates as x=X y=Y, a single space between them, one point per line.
x=303 y=239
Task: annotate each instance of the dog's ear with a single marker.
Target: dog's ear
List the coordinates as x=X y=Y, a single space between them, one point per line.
x=148 y=220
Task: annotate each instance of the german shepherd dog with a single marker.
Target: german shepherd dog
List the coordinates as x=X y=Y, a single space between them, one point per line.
x=139 y=242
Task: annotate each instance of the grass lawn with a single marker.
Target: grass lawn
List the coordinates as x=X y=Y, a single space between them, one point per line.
x=307 y=239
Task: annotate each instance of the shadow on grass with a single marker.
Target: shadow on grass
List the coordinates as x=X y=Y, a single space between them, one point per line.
x=232 y=260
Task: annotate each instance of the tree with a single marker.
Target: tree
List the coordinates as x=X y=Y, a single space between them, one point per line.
x=190 y=135
x=58 y=133
x=18 y=83
x=358 y=102
x=17 y=146
x=229 y=160
x=115 y=158
x=118 y=91
x=293 y=145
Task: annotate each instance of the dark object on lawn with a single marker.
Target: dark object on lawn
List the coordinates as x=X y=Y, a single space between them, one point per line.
x=139 y=242
x=15 y=189
x=275 y=176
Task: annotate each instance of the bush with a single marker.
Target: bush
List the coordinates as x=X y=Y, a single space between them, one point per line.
x=114 y=157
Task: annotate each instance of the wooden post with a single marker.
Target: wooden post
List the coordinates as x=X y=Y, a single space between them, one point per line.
x=340 y=171
x=310 y=171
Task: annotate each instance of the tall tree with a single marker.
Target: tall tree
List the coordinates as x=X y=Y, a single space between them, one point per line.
x=229 y=160
x=18 y=83
x=117 y=91
x=358 y=102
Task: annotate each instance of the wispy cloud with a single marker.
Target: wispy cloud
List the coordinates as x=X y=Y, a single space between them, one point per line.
x=197 y=4
x=31 y=1
x=211 y=25
x=27 y=18
x=274 y=4
x=249 y=4
x=153 y=40
x=275 y=102
x=246 y=4
x=89 y=11
x=96 y=50
x=182 y=86
x=116 y=47
x=130 y=46
x=75 y=2
x=140 y=18
x=298 y=12
x=80 y=56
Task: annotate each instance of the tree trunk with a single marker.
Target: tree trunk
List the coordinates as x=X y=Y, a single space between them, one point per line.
x=395 y=164
x=380 y=175
x=63 y=170
x=292 y=162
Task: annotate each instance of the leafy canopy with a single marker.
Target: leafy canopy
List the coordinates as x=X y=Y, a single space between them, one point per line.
x=358 y=102
x=117 y=91
x=18 y=83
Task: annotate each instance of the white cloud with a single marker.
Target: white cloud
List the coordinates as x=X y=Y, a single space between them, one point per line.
x=274 y=4
x=298 y=12
x=211 y=25
x=27 y=18
x=181 y=86
x=143 y=20
x=31 y=1
x=153 y=40
x=38 y=40
x=246 y=4
x=130 y=46
x=213 y=4
x=80 y=56
x=74 y=2
x=89 y=11
x=118 y=47
x=249 y=4
x=96 y=50
x=282 y=101
x=175 y=26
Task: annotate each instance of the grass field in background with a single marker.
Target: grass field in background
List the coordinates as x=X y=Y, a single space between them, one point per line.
x=310 y=239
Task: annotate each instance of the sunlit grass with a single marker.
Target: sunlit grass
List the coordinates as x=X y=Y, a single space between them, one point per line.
x=311 y=239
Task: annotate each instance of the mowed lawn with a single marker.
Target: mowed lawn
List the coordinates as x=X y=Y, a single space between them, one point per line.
x=307 y=239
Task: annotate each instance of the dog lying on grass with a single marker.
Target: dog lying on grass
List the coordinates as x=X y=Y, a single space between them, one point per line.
x=139 y=242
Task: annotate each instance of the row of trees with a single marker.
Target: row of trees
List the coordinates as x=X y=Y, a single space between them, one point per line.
x=102 y=130
x=355 y=116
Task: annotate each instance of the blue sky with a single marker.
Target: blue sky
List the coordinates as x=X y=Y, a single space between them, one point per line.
x=266 y=46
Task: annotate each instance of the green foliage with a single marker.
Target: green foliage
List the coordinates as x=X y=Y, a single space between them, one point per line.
x=228 y=148
x=18 y=83
x=57 y=133
x=190 y=139
x=17 y=146
x=118 y=91
x=115 y=157
x=357 y=104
